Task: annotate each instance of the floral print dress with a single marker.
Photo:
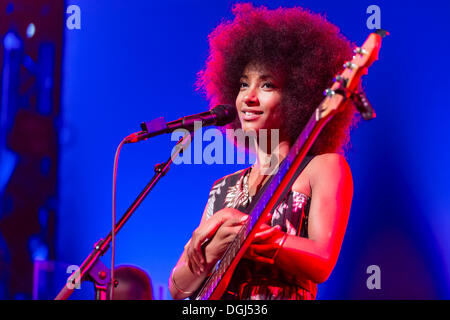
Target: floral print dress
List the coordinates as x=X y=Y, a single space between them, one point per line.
x=255 y=280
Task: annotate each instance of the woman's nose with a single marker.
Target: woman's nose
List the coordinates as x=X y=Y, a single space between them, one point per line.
x=251 y=98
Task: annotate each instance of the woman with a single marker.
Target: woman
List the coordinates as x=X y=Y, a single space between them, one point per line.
x=274 y=65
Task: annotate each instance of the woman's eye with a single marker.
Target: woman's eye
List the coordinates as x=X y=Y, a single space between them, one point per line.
x=265 y=85
x=268 y=85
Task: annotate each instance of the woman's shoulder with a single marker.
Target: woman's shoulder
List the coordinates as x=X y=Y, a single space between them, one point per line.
x=328 y=160
x=326 y=166
x=330 y=168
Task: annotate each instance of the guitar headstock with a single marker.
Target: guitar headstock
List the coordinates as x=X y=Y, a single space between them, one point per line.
x=346 y=83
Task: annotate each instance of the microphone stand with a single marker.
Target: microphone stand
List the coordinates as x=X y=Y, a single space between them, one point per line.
x=92 y=268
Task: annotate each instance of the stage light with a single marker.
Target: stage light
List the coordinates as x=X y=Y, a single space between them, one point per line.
x=31 y=30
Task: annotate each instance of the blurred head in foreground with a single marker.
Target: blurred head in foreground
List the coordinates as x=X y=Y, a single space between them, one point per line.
x=133 y=284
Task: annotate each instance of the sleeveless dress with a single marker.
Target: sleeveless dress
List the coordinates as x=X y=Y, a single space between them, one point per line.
x=254 y=280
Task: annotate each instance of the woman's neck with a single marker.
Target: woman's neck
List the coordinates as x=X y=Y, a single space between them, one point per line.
x=268 y=158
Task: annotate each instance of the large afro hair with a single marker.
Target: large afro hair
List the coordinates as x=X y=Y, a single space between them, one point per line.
x=302 y=47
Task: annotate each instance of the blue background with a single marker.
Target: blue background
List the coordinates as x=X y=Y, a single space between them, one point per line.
x=136 y=61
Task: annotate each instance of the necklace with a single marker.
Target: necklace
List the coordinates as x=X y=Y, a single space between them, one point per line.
x=261 y=180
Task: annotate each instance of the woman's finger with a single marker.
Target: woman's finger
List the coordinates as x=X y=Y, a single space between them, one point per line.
x=194 y=261
x=267 y=233
x=263 y=259
x=236 y=221
x=190 y=261
x=188 y=256
x=200 y=236
x=257 y=253
x=197 y=251
x=259 y=249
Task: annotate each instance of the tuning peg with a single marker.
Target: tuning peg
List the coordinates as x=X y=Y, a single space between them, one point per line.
x=329 y=93
x=350 y=65
x=341 y=80
x=360 y=51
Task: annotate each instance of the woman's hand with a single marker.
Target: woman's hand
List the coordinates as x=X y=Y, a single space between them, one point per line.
x=266 y=244
x=223 y=237
x=211 y=238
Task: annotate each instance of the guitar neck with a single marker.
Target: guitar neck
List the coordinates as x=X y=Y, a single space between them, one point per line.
x=267 y=200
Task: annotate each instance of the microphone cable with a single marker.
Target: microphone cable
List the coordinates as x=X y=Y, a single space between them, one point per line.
x=113 y=229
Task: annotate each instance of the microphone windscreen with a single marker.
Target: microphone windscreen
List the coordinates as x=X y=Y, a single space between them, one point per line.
x=225 y=114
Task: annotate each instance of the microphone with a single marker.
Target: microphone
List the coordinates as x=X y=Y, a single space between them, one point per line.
x=220 y=115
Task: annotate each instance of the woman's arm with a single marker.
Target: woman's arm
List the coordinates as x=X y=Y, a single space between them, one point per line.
x=207 y=244
x=331 y=196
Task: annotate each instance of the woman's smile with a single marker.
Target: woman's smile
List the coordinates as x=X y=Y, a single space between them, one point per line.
x=250 y=114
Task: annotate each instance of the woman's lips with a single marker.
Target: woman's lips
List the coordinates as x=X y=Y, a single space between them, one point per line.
x=251 y=115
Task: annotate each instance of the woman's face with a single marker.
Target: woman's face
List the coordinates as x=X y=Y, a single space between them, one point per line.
x=259 y=99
